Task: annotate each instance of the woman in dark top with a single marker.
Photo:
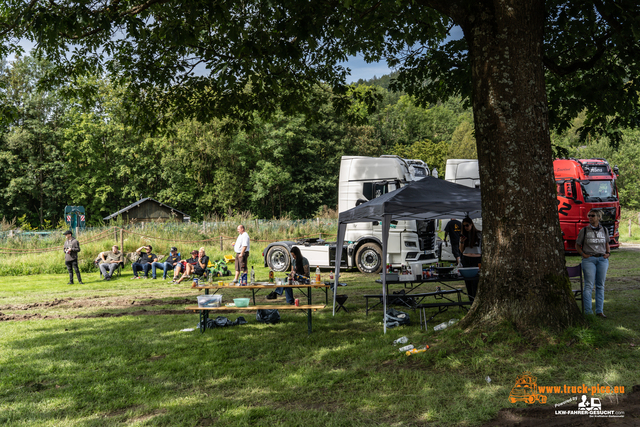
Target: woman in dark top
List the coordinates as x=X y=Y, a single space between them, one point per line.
x=299 y=265
x=471 y=248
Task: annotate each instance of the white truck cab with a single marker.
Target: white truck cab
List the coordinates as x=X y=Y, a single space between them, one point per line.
x=363 y=179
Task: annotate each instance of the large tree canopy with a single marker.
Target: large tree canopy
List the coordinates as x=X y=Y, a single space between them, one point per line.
x=524 y=65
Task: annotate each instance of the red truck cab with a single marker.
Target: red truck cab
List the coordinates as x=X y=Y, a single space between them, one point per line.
x=583 y=185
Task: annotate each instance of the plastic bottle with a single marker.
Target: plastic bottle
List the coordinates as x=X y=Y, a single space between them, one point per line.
x=416 y=350
x=441 y=326
x=444 y=325
x=271 y=276
x=243 y=279
x=253 y=276
x=401 y=340
x=331 y=276
x=406 y=348
x=318 y=278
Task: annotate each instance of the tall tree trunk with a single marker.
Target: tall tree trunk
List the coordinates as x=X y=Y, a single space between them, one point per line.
x=523 y=277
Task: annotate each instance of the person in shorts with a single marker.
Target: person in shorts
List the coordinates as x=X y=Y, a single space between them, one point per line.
x=241 y=248
x=187 y=266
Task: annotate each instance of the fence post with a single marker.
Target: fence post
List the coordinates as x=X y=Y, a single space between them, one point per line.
x=629 y=227
x=122 y=240
x=221 y=248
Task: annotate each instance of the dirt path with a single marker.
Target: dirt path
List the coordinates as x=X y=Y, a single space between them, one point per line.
x=118 y=306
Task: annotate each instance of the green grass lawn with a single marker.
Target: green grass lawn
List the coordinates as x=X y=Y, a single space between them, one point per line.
x=112 y=353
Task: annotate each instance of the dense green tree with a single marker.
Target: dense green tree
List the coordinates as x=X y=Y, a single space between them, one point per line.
x=463 y=143
x=33 y=180
x=434 y=154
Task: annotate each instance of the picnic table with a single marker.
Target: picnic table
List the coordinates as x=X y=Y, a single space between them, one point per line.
x=255 y=288
x=443 y=298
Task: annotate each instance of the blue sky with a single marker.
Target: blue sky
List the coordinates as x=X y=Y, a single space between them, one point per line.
x=361 y=70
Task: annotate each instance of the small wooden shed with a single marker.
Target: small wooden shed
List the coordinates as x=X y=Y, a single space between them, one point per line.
x=149 y=210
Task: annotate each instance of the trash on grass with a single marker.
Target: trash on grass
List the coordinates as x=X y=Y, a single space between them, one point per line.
x=401 y=340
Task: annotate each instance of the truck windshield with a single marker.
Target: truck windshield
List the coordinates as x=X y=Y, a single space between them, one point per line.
x=599 y=191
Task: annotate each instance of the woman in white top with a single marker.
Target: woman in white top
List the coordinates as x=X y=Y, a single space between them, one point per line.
x=471 y=249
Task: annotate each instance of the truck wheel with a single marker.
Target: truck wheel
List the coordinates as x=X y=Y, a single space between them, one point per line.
x=278 y=258
x=369 y=258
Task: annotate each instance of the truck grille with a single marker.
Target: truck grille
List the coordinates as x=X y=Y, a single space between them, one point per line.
x=610 y=228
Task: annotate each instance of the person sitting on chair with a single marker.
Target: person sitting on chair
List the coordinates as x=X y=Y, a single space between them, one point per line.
x=187 y=266
x=299 y=266
x=200 y=267
x=172 y=260
x=145 y=261
x=110 y=261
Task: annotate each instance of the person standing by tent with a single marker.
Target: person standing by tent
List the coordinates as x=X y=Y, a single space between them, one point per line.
x=242 y=251
x=471 y=248
x=71 y=248
x=453 y=229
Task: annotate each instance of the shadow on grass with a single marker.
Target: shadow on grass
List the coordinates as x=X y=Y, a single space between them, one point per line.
x=143 y=370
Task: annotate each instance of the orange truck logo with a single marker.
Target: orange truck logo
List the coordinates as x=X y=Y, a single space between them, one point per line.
x=526 y=390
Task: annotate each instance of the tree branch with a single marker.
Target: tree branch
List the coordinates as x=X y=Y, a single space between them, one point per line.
x=578 y=64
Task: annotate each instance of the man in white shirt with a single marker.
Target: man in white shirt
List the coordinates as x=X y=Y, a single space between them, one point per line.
x=242 y=251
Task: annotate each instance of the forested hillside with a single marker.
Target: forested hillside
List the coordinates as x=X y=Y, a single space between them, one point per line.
x=60 y=151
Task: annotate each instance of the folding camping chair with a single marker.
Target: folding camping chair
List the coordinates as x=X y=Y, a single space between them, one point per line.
x=340 y=300
x=576 y=274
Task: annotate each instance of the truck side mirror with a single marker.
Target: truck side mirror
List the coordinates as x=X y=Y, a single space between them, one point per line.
x=567 y=189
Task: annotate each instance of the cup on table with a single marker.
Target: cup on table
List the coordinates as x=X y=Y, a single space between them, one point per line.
x=220 y=283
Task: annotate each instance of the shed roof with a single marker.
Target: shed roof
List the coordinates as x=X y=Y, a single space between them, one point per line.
x=139 y=202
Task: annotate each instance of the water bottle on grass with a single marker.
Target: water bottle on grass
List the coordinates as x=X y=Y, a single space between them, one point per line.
x=401 y=340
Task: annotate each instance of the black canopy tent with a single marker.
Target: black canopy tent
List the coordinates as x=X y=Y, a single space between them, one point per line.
x=428 y=198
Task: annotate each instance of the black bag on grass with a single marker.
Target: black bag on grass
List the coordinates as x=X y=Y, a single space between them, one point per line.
x=268 y=316
x=221 y=322
x=396 y=318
